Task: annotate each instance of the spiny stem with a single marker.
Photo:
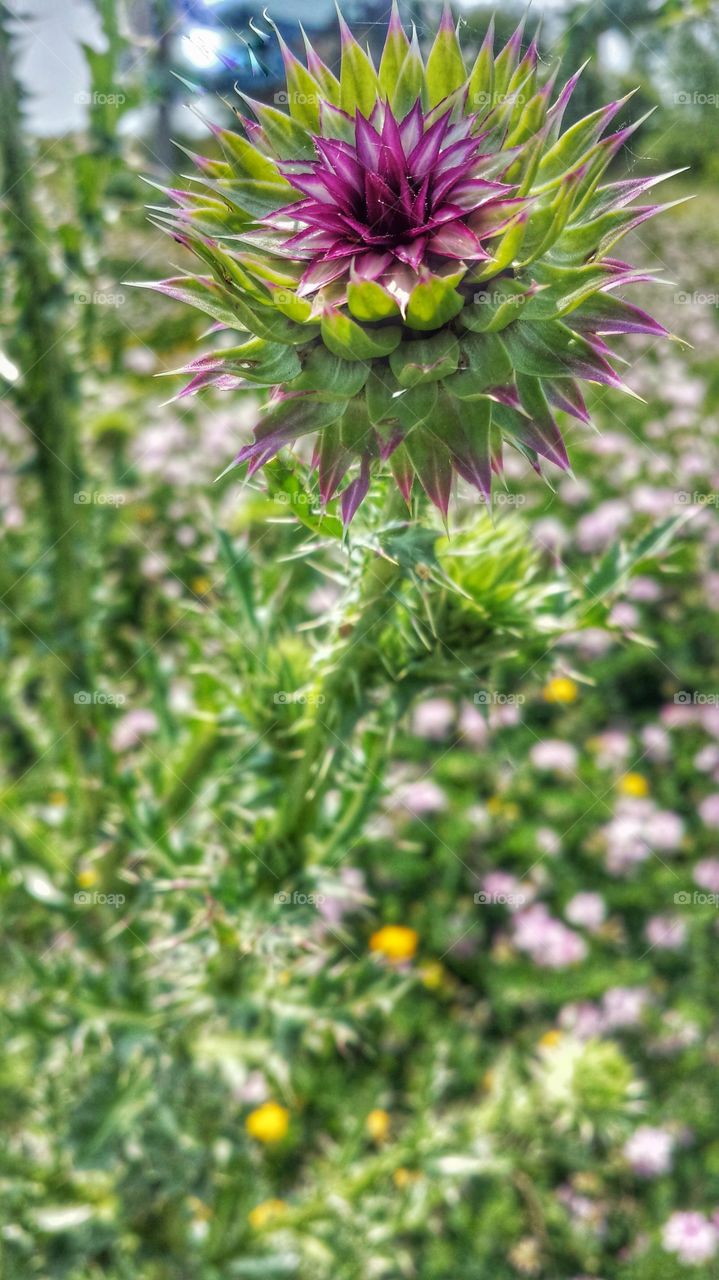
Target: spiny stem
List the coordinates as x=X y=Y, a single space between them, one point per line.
x=47 y=396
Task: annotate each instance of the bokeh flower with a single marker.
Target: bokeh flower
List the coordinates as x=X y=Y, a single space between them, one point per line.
x=396 y=942
x=561 y=689
x=269 y=1123
x=586 y=910
x=634 y=785
x=265 y=1213
x=691 y=1236
x=377 y=1125
x=649 y=1151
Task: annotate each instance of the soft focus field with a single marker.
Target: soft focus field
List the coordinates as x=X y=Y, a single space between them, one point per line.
x=460 y=1018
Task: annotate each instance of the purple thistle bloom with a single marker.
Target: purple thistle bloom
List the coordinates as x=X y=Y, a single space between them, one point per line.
x=402 y=195
x=420 y=264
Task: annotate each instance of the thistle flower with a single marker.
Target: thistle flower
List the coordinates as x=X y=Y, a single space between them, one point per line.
x=418 y=260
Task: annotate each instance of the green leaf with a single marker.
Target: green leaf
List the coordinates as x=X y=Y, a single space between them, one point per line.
x=369 y=301
x=355 y=427
x=506 y=62
x=496 y=306
x=348 y=340
x=303 y=94
x=434 y=302
x=431 y=460
x=425 y=359
x=485 y=364
x=416 y=406
x=328 y=82
x=507 y=248
x=570 y=149
x=621 y=561
x=290 y=304
x=445 y=65
x=273 y=364
x=547 y=224
x=253 y=196
x=540 y=349
x=288 y=138
x=201 y=292
x=300 y=501
x=359 y=86
x=246 y=159
x=481 y=79
x=410 y=86
x=379 y=393
x=330 y=376
x=402 y=470
x=544 y=435
x=396 y=48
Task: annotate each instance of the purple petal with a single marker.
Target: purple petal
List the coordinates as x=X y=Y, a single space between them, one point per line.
x=424 y=156
x=355 y=493
x=566 y=395
x=370 y=265
x=412 y=253
x=320 y=273
x=368 y=143
x=455 y=240
x=412 y=128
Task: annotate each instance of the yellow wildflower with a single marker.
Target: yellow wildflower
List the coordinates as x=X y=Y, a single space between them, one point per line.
x=265 y=1212
x=377 y=1125
x=634 y=785
x=396 y=942
x=268 y=1123
x=561 y=689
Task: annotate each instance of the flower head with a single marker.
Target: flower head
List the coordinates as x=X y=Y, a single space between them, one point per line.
x=377 y=1125
x=265 y=1213
x=649 y=1151
x=691 y=1236
x=419 y=262
x=396 y=942
x=268 y=1123
x=560 y=689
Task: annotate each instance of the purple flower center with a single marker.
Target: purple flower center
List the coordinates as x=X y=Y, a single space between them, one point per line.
x=401 y=192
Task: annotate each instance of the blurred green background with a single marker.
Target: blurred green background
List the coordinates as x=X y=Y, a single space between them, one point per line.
x=458 y=1017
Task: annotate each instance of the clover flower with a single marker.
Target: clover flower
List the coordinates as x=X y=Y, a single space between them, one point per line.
x=418 y=260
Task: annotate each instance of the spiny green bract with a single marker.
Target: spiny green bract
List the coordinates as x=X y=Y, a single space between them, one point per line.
x=418 y=260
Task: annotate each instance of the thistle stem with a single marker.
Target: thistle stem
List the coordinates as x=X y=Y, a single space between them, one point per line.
x=47 y=396
x=339 y=699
